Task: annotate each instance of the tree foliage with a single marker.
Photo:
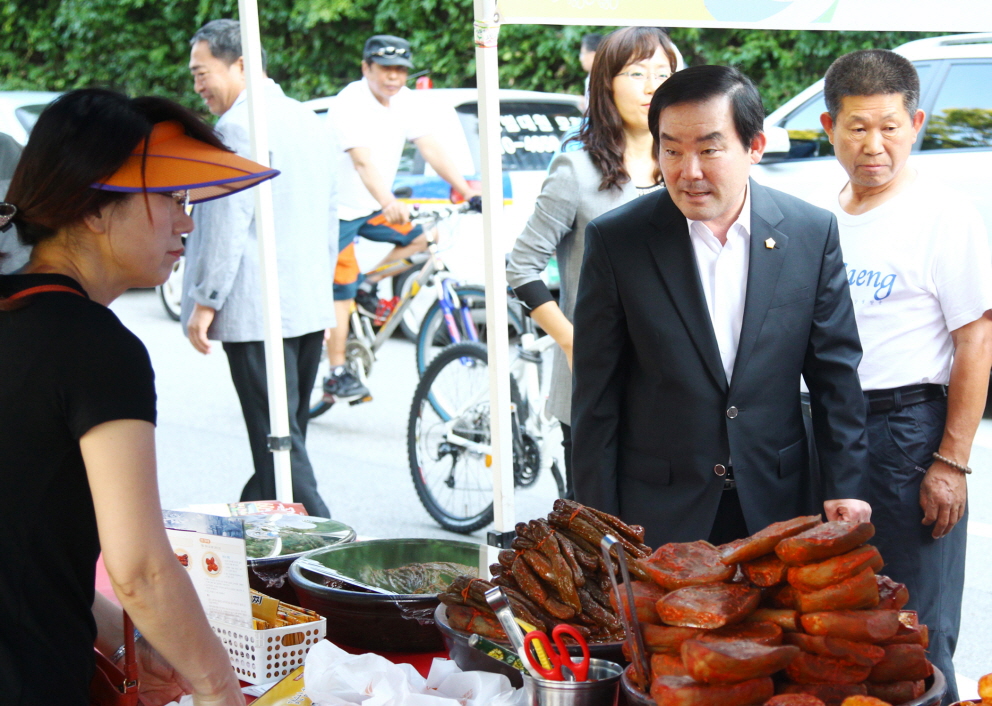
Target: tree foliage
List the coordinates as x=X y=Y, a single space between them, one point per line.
x=314 y=46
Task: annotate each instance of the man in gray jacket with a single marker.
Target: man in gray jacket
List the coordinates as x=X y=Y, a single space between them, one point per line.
x=222 y=297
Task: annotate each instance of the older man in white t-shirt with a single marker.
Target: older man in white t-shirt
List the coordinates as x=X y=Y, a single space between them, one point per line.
x=372 y=119
x=920 y=273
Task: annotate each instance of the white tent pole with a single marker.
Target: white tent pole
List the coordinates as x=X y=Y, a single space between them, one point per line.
x=275 y=365
x=487 y=72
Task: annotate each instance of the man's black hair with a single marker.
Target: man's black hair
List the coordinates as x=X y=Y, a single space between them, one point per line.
x=871 y=72
x=223 y=37
x=590 y=42
x=698 y=84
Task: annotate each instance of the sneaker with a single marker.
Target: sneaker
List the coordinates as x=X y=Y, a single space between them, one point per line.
x=343 y=385
x=379 y=310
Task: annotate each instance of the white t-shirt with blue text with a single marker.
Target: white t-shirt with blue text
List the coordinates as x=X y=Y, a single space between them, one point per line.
x=919 y=267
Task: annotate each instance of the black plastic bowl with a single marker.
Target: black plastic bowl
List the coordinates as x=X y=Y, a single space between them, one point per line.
x=374 y=621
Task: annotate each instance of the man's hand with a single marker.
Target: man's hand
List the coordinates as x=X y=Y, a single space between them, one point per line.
x=196 y=327
x=397 y=213
x=943 y=495
x=159 y=683
x=849 y=510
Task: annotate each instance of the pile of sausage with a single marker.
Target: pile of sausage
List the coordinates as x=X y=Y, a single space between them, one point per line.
x=799 y=600
x=554 y=573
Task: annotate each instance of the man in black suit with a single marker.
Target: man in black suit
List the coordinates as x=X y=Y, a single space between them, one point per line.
x=699 y=308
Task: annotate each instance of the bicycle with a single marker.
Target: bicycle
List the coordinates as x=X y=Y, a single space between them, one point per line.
x=448 y=438
x=461 y=305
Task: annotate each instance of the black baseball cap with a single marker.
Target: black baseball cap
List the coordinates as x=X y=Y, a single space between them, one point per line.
x=387 y=50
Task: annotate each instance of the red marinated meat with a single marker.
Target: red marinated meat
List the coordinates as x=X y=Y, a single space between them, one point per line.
x=764 y=541
x=794 y=700
x=857 y=625
x=646 y=595
x=666 y=639
x=682 y=564
x=897 y=692
x=765 y=571
x=859 y=591
x=709 y=606
x=891 y=594
x=783 y=596
x=824 y=541
x=917 y=635
x=763 y=633
x=816 y=669
x=683 y=691
x=901 y=663
x=862 y=653
x=734 y=662
x=829 y=694
x=666 y=665
x=785 y=618
x=813 y=577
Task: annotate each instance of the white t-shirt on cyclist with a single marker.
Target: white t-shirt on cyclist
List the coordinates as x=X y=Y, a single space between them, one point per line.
x=919 y=267
x=360 y=120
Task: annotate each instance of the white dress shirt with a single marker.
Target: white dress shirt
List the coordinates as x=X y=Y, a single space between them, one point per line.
x=723 y=272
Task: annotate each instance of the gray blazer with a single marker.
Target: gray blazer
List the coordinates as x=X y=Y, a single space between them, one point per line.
x=569 y=199
x=222 y=267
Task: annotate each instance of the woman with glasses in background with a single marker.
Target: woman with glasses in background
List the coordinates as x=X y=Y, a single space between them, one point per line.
x=609 y=162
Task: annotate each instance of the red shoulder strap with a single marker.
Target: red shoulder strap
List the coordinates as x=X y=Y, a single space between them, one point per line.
x=43 y=288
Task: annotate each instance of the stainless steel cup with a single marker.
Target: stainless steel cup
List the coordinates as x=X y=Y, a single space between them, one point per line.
x=600 y=689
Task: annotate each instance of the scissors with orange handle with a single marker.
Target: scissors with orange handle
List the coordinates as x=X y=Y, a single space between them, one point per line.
x=558 y=655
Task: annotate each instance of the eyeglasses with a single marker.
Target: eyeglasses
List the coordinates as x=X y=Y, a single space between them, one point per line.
x=181 y=198
x=389 y=51
x=641 y=76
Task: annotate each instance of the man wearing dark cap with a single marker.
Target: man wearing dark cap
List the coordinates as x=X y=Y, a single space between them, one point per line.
x=373 y=118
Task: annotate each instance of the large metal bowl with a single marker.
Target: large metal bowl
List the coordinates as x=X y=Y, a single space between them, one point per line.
x=468 y=658
x=374 y=621
x=935 y=691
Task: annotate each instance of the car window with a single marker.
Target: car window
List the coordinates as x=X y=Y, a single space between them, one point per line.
x=807 y=138
x=530 y=131
x=411 y=162
x=962 y=112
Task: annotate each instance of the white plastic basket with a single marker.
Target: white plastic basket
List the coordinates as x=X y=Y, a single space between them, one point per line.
x=261 y=656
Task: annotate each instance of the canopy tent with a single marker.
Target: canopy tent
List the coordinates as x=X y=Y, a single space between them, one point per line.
x=879 y=15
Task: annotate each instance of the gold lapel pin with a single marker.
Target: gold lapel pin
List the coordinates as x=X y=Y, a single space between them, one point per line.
x=770 y=243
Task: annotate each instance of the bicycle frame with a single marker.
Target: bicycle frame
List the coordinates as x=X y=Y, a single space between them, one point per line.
x=445 y=287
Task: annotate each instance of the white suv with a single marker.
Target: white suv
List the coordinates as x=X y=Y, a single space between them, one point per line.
x=955 y=144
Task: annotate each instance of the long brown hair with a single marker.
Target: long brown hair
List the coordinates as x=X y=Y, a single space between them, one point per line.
x=601 y=134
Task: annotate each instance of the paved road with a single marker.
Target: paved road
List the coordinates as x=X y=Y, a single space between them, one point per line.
x=359 y=455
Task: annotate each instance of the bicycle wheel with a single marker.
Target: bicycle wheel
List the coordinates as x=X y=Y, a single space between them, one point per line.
x=434 y=335
x=450 y=454
x=410 y=323
x=171 y=291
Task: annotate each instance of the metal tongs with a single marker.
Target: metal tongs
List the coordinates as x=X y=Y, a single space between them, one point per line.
x=501 y=606
x=635 y=642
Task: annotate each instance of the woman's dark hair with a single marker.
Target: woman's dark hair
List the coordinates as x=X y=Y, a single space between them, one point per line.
x=602 y=133
x=699 y=84
x=80 y=139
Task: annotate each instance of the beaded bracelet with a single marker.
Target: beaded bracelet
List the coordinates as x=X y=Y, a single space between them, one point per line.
x=952 y=464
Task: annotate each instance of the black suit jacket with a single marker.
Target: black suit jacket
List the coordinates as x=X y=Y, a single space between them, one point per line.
x=651 y=413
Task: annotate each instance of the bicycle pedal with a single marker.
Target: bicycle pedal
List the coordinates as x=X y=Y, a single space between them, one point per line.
x=367 y=398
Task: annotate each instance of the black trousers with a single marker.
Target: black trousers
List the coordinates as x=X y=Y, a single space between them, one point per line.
x=900 y=445
x=247 y=361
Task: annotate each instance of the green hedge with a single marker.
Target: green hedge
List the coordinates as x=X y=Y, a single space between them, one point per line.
x=140 y=46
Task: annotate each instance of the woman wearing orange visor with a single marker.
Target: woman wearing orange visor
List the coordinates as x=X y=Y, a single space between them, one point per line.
x=100 y=194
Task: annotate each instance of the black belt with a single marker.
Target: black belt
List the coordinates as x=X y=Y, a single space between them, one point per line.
x=728 y=479
x=880 y=401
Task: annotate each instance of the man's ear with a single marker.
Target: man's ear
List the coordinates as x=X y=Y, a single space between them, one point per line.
x=758 y=144
x=828 y=125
